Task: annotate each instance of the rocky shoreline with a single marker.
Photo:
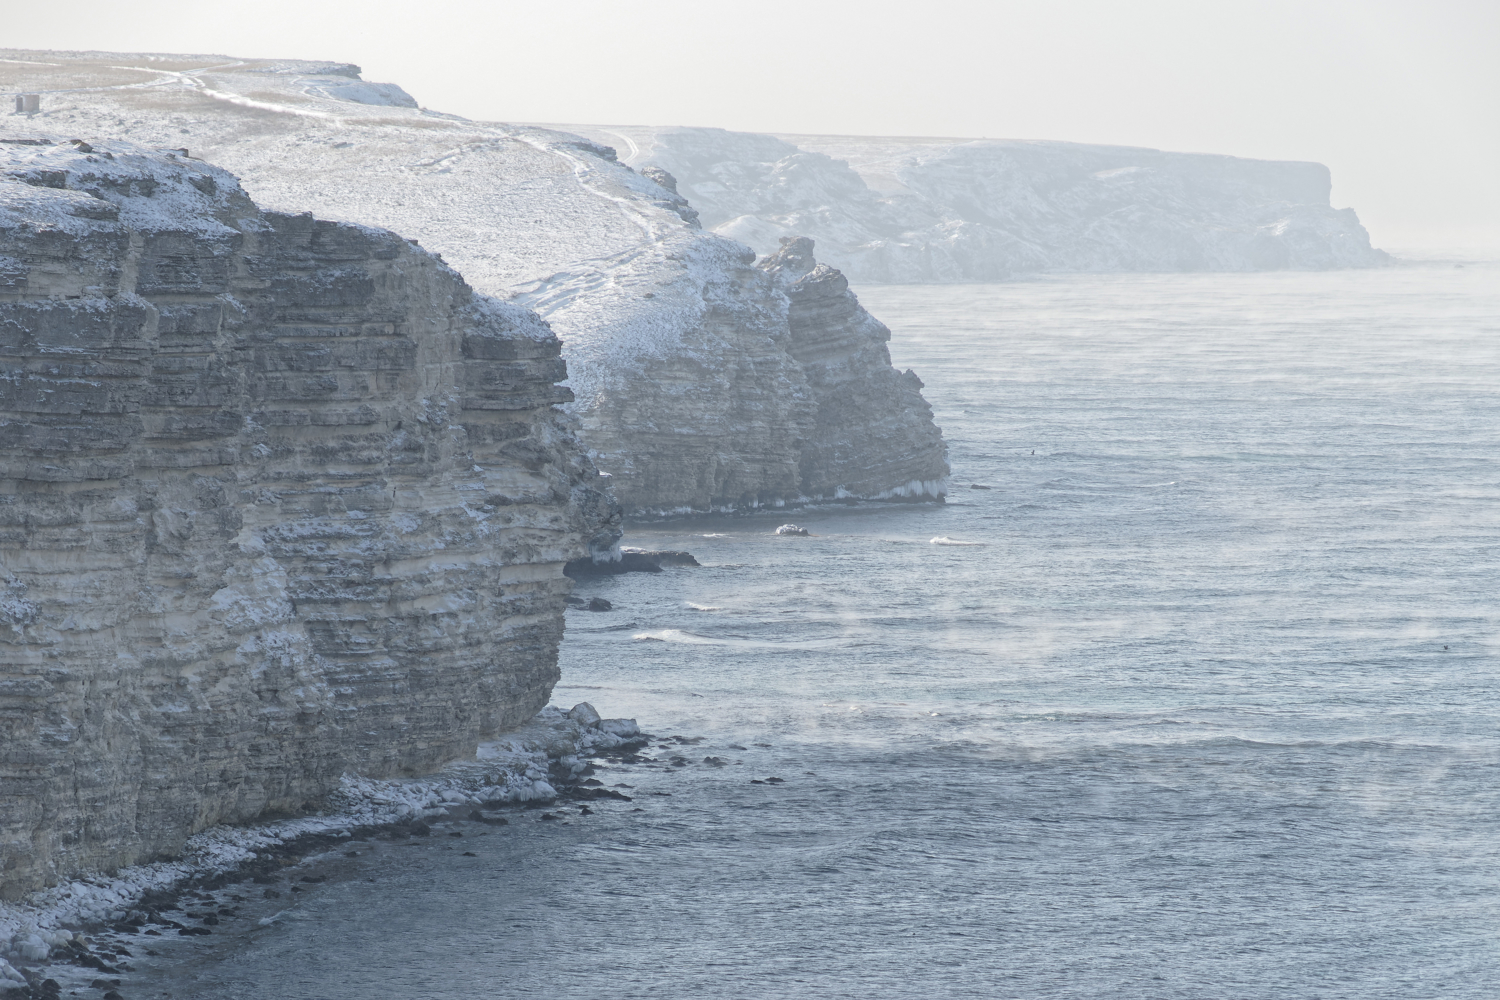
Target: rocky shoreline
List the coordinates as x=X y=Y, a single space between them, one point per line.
x=89 y=932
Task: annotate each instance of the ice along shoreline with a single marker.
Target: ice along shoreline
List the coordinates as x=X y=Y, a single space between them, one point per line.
x=70 y=934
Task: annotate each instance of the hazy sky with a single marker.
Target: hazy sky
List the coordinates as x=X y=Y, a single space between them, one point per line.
x=1400 y=98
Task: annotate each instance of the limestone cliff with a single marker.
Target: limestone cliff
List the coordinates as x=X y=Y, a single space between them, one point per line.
x=872 y=432
x=710 y=384
x=677 y=346
x=280 y=498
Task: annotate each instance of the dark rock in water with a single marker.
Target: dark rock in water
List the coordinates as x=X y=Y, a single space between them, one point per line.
x=792 y=529
x=468 y=854
x=599 y=604
x=113 y=995
x=421 y=830
x=630 y=561
x=579 y=793
x=663 y=557
x=455 y=833
x=976 y=486
x=192 y=931
x=575 y=602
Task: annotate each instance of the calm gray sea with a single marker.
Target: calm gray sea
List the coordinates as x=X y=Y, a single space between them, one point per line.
x=1198 y=696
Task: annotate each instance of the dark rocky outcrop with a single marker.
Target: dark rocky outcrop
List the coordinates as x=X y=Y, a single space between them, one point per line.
x=631 y=560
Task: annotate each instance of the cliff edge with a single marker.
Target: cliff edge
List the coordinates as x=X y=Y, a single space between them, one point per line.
x=872 y=433
x=676 y=343
x=280 y=498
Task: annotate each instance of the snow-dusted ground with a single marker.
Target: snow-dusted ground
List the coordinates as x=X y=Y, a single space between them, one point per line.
x=929 y=209
x=514 y=208
x=508 y=770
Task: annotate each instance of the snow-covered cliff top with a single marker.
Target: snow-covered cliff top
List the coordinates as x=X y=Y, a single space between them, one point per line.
x=518 y=210
x=929 y=209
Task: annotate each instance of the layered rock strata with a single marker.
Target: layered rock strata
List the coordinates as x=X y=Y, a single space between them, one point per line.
x=734 y=386
x=871 y=427
x=677 y=345
x=280 y=498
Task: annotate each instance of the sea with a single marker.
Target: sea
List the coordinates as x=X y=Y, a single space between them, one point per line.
x=1190 y=690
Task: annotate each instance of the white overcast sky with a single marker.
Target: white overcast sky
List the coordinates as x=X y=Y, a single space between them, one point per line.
x=1401 y=99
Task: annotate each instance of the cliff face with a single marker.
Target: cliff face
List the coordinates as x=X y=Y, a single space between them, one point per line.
x=872 y=433
x=279 y=498
x=711 y=383
x=918 y=210
x=676 y=344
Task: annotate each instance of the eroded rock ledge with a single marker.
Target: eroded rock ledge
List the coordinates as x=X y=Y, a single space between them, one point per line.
x=279 y=499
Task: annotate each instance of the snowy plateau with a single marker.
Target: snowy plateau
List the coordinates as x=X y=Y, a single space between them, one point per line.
x=911 y=210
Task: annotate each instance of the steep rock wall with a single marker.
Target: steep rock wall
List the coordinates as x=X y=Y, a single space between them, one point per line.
x=676 y=344
x=279 y=498
x=872 y=433
x=708 y=383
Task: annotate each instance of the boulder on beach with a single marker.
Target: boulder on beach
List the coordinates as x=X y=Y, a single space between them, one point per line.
x=584 y=714
x=623 y=728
